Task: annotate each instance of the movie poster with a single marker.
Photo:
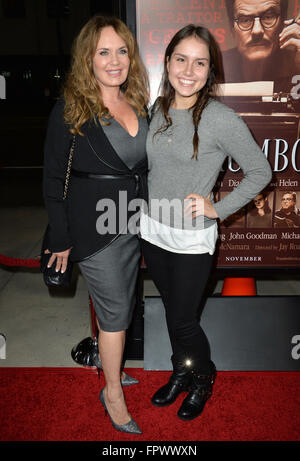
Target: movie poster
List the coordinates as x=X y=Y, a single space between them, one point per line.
x=261 y=60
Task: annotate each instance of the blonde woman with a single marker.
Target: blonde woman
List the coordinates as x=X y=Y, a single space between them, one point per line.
x=103 y=104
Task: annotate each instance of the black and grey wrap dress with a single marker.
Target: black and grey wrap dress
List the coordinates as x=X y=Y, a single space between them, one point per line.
x=111 y=273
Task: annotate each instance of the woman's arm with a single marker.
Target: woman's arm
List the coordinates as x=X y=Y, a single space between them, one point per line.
x=234 y=138
x=56 y=153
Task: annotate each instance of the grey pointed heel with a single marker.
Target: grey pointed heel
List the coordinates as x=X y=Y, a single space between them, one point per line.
x=131 y=427
x=126 y=381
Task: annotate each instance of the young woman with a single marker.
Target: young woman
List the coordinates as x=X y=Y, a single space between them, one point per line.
x=103 y=104
x=190 y=135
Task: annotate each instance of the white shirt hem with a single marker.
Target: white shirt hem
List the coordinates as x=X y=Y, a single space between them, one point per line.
x=179 y=240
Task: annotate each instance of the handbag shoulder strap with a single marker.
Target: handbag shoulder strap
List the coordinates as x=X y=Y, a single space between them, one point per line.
x=69 y=167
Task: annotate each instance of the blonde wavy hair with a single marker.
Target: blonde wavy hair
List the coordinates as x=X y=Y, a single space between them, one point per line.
x=81 y=92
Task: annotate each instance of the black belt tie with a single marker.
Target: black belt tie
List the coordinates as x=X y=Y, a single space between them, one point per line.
x=136 y=176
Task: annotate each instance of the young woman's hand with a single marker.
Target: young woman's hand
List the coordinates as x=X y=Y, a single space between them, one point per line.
x=61 y=260
x=197 y=205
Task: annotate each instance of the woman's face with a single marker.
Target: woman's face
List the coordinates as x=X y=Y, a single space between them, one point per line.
x=188 y=70
x=111 y=61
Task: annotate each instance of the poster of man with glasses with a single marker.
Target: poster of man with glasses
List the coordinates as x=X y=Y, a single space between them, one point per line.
x=288 y=215
x=260 y=46
x=267 y=43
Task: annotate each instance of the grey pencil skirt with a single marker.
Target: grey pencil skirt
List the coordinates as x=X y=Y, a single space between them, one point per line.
x=111 y=276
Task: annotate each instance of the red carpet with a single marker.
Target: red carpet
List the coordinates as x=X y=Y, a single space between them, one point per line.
x=47 y=404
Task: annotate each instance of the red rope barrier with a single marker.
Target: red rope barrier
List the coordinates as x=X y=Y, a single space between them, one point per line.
x=14 y=262
x=19 y=262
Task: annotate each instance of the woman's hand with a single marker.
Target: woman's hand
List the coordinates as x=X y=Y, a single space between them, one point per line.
x=61 y=260
x=197 y=205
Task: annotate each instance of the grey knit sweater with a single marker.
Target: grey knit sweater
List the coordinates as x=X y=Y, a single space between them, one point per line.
x=222 y=133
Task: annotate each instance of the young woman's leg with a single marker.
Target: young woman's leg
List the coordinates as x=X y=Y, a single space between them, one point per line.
x=188 y=278
x=181 y=282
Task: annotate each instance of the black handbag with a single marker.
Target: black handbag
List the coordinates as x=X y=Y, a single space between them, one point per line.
x=51 y=277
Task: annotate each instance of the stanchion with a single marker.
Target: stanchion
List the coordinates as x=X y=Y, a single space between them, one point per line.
x=239 y=286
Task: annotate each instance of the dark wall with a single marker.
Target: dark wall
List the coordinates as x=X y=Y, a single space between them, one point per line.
x=35 y=42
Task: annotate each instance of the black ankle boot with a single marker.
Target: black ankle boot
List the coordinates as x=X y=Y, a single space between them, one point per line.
x=179 y=382
x=201 y=390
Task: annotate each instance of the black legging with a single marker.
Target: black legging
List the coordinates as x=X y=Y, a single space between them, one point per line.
x=181 y=280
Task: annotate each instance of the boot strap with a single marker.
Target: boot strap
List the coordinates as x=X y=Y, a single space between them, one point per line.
x=205 y=379
x=199 y=396
x=179 y=380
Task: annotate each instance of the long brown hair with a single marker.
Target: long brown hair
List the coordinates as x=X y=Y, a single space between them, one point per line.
x=209 y=90
x=83 y=99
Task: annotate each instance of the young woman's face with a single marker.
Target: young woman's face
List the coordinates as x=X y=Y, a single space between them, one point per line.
x=111 y=61
x=188 y=70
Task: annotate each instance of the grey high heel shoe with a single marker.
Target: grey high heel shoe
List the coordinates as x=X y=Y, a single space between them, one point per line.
x=125 y=381
x=131 y=427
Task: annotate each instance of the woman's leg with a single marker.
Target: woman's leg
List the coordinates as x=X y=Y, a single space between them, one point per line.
x=189 y=274
x=98 y=326
x=181 y=281
x=158 y=266
x=111 y=278
x=111 y=348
